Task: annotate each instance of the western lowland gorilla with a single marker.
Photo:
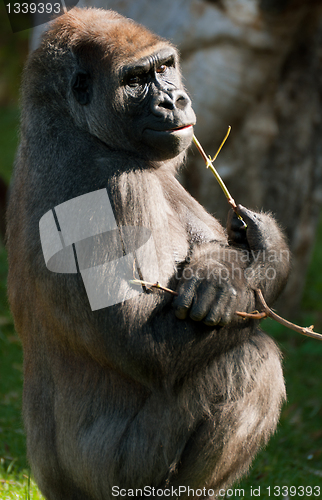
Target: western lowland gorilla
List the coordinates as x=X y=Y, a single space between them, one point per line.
x=127 y=388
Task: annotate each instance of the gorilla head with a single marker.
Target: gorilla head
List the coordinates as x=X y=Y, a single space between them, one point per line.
x=119 y=81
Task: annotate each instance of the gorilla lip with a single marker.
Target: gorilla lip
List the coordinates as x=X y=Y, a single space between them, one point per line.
x=172 y=130
x=178 y=129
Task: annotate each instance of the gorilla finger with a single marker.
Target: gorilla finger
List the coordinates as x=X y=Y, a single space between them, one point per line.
x=183 y=301
x=221 y=312
x=203 y=301
x=230 y=310
x=233 y=222
x=256 y=231
x=251 y=218
x=213 y=317
x=237 y=237
x=236 y=229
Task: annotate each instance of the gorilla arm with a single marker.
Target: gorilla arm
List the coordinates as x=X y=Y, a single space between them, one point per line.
x=222 y=278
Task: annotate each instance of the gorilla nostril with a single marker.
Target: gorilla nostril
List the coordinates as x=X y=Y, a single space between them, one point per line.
x=162 y=103
x=171 y=101
x=182 y=100
x=167 y=104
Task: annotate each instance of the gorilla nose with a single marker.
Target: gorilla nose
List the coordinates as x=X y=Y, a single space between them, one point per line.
x=170 y=101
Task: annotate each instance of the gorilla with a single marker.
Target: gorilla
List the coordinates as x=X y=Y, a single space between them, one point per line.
x=129 y=391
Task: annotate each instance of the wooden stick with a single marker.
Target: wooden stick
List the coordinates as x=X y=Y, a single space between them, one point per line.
x=152 y=285
x=209 y=164
x=307 y=331
x=267 y=313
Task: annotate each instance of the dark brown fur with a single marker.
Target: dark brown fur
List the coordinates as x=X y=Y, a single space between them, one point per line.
x=131 y=395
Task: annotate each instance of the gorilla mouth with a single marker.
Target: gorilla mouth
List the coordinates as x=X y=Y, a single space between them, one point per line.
x=169 y=141
x=174 y=130
x=178 y=129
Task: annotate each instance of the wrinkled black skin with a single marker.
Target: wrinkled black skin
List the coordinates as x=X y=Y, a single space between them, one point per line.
x=156 y=105
x=154 y=391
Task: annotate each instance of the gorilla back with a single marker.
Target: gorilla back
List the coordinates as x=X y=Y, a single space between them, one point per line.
x=125 y=387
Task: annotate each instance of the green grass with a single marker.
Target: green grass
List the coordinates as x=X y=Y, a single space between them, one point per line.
x=15 y=480
x=9 y=123
x=293 y=456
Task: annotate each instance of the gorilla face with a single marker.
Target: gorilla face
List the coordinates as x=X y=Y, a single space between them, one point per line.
x=143 y=105
x=161 y=110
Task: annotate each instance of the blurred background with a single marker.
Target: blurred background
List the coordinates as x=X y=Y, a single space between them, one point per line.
x=255 y=65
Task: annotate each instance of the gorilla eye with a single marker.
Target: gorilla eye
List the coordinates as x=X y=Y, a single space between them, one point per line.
x=135 y=80
x=162 y=69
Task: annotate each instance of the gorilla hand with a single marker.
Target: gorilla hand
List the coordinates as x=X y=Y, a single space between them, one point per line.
x=213 y=287
x=221 y=279
x=259 y=231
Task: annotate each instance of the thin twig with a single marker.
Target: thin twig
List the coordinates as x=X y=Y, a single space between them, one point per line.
x=267 y=313
x=152 y=285
x=209 y=164
x=253 y=315
x=307 y=331
x=221 y=145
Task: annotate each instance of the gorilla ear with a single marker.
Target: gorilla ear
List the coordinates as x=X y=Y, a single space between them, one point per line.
x=82 y=88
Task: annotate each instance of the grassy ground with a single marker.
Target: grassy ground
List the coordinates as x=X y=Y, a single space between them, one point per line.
x=292 y=459
x=15 y=481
